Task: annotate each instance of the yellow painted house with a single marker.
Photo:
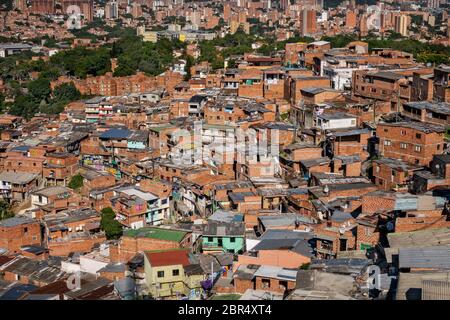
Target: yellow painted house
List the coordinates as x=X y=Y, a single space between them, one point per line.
x=170 y=273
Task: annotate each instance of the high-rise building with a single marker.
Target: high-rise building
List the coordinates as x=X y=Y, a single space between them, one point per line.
x=284 y=4
x=433 y=3
x=86 y=7
x=363 y=28
x=43 y=6
x=432 y=20
x=242 y=3
x=235 y=25
x=309 y=21
x=448 y=28
x=20 y=5
x=112 y=10
x=242 y=17
x=401 y=25
x=444 y=16
x=350 y=19
x=136 y=10
x=226 y=11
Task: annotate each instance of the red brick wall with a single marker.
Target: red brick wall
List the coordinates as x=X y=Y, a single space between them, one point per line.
x=373 y=204
x=274 y=285
x=129 y=246
x=63 y=248
x=366 y=235
x=241 y=285
x=15 y=237
x=428 y=143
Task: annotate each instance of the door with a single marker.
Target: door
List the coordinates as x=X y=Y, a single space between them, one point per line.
x=342 y=244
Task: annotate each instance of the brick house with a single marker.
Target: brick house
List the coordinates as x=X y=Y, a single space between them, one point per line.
x=275 y=279
x=59 y=168
x=296 y=83
x=381 y=85
x=281 y=248
x=432 y=112
x=393 y=174
x=441 y=83
x=19 y=231
x=17 y=186
x=292 y=154
x=413 y=142
x=367 y=233
x=53 y=199
x=146 y=239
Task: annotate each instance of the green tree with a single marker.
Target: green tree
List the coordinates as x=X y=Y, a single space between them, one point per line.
x=5 y=210
x=189 y=63
x=2 y=101
x=39 y=89
x=340 y=41
x=66 y=92
x=305 y=266
x=232 y=64
x=76 y=182
x=112 y=227
x=25 y=106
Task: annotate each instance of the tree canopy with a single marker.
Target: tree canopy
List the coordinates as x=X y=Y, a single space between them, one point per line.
x=5 y=210
x=76 y=182
x=112 y=228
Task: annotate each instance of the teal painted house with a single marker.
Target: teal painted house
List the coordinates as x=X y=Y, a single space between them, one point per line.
x=224 y=237
x=138 y=140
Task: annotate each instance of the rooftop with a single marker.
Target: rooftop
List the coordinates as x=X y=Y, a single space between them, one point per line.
x=168 y=257
x=18 y=177
x=156 y=233
x=16 y=221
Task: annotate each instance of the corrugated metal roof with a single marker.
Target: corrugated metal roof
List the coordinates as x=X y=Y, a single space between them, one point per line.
x=437 y=257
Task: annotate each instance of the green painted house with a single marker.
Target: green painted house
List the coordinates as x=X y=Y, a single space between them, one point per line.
x=224 y=237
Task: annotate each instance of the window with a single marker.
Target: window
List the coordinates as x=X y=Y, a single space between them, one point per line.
x=417 y=148
x=210 y=239
x=25 y=230
x=233 y=240
x=265 y=283
x=402 y=132
x=438 y=147
x=387 y=142
x=160 y=274
x=403 y=145
x=175 y=272
x=418 y=136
